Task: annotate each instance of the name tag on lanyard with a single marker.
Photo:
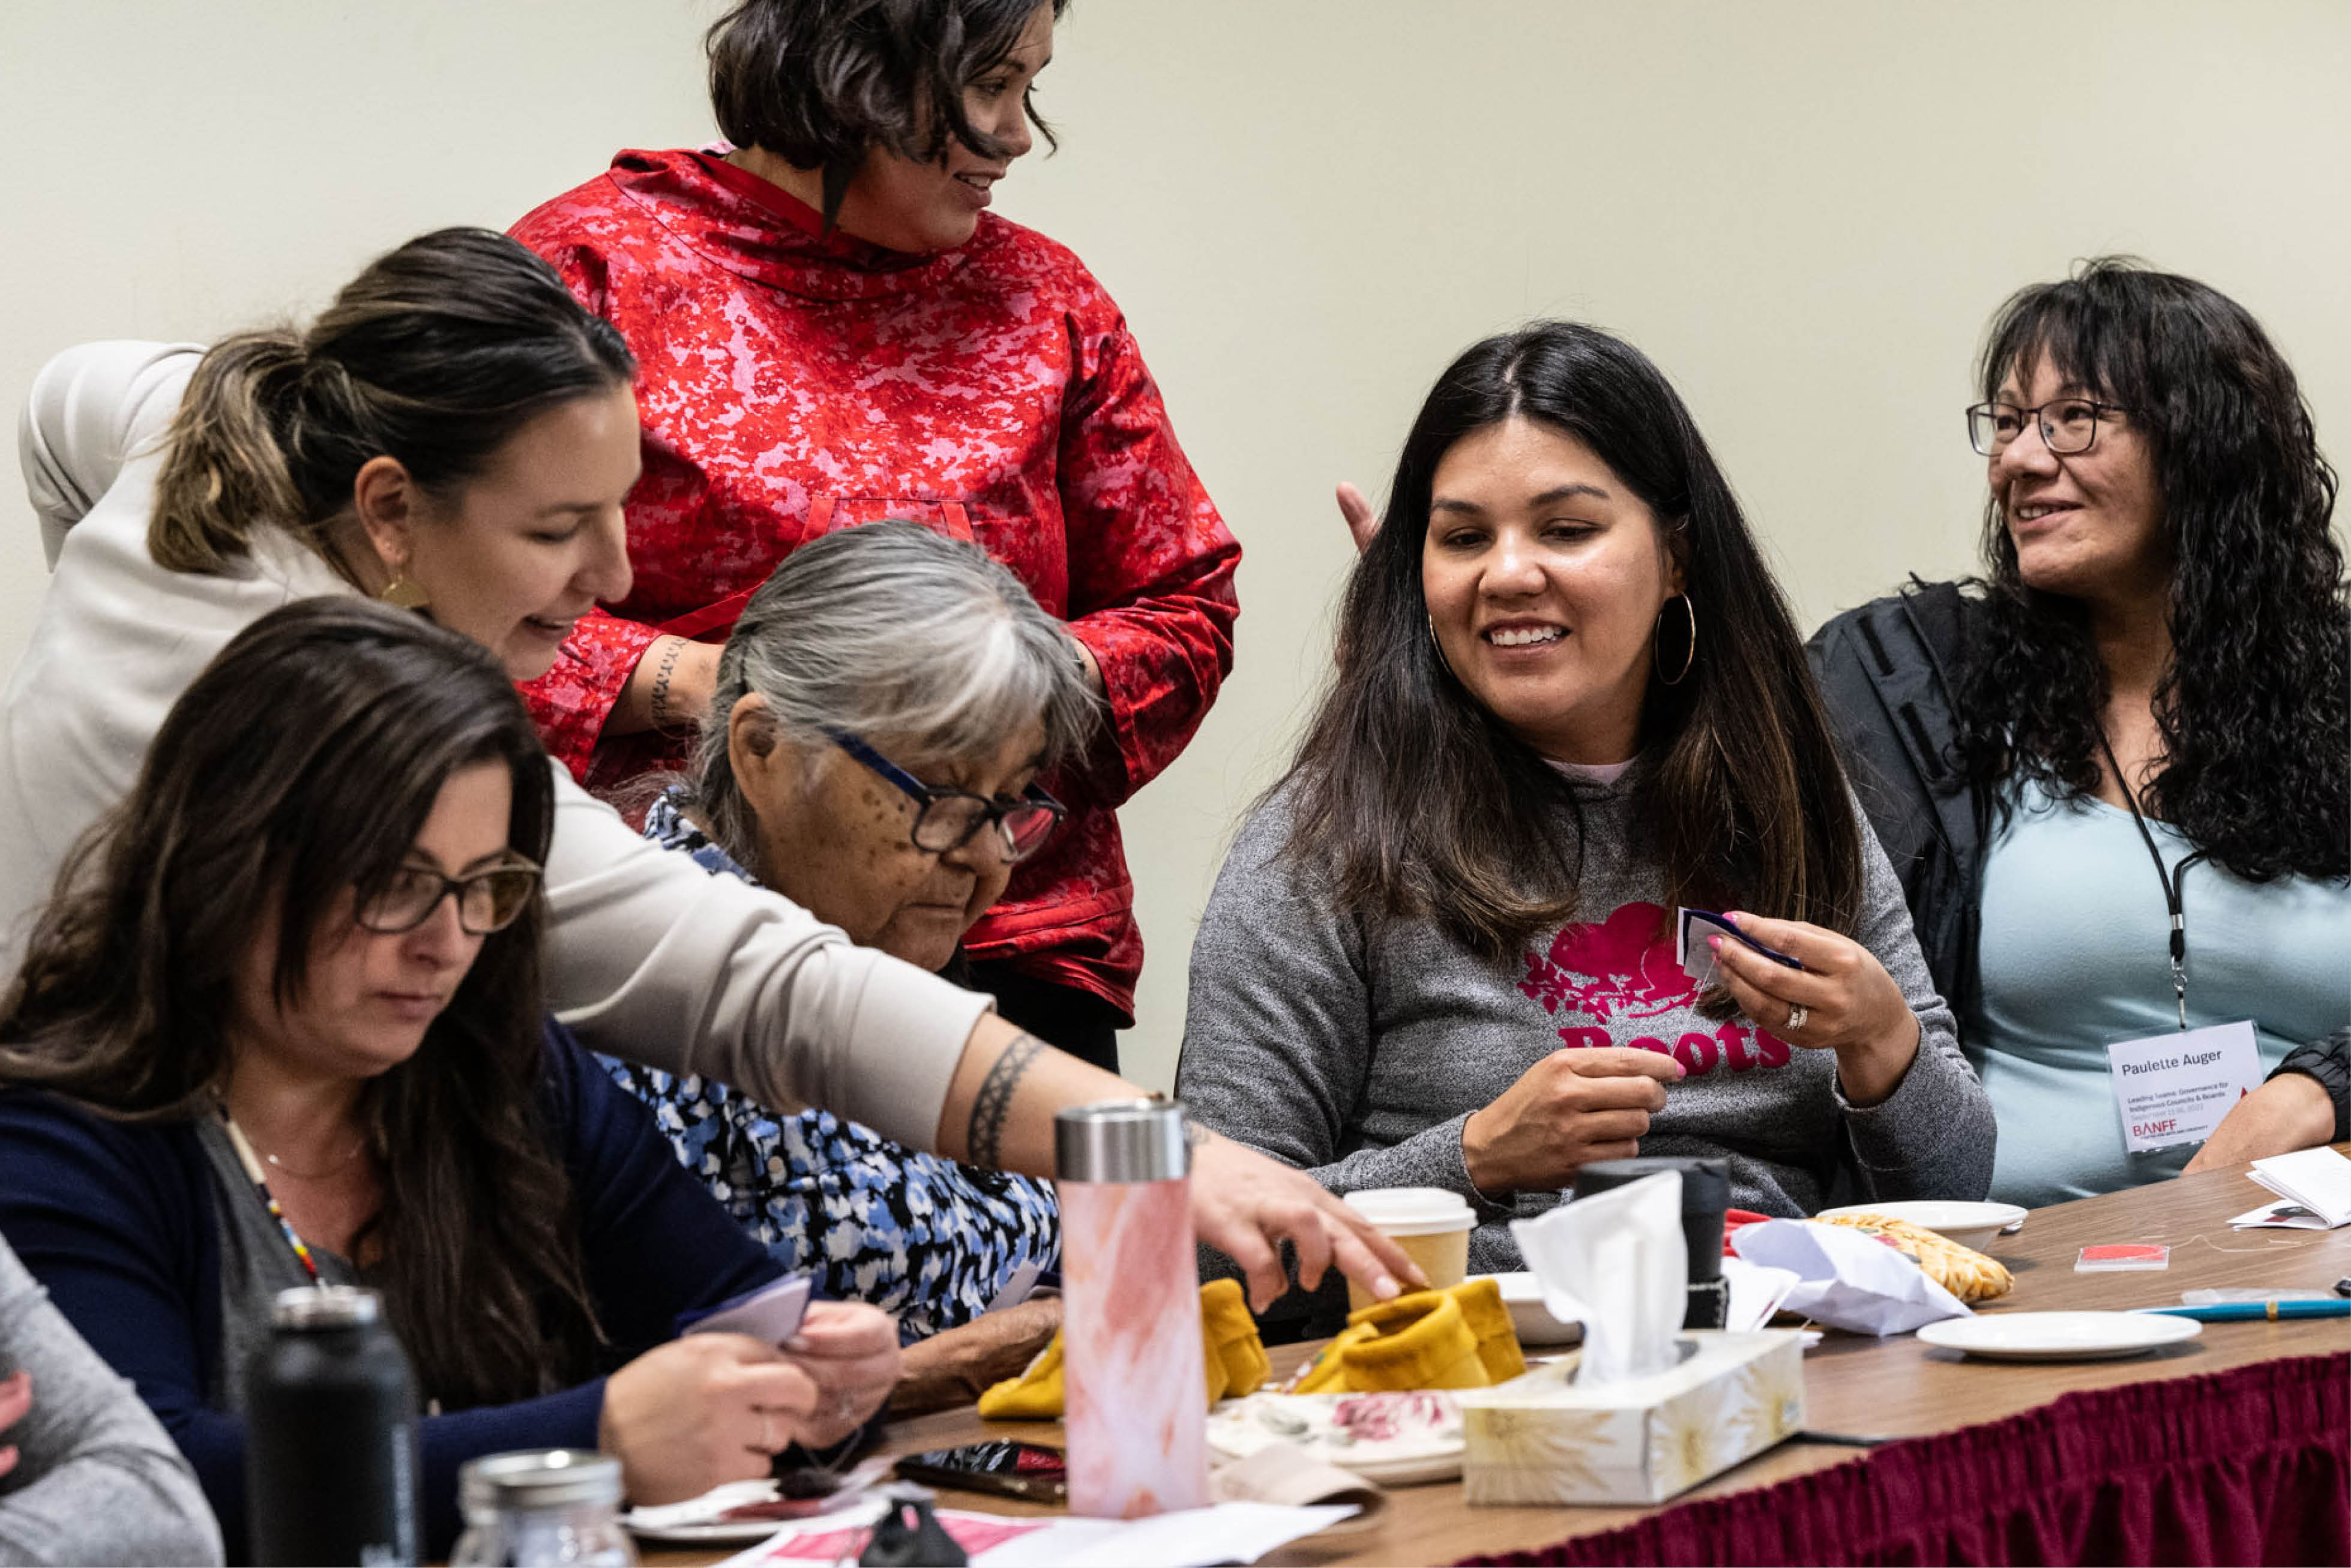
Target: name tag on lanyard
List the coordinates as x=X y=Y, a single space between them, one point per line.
x=2173 y=1088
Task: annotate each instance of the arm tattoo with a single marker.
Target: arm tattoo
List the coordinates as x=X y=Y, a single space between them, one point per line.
x=994 y=1101
x=661 y=673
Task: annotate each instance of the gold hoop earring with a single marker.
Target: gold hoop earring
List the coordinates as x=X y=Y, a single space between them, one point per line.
x=401 y=592
x=1688 y=659
x=1433 y=642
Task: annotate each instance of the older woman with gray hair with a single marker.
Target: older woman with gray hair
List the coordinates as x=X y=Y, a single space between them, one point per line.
x=883 y=709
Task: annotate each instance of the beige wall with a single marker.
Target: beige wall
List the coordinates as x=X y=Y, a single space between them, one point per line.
x=1804 y=211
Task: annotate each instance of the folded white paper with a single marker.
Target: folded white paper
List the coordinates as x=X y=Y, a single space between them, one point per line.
x=1616 y=1263
x=2281 y=1214
x=2317 y=1179
x=1756 y=1294
x=1847 y=1278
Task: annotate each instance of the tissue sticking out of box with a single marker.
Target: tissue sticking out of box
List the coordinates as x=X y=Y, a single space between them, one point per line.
x=1616 y=1263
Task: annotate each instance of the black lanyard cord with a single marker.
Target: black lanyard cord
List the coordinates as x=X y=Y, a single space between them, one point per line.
x=2173 y=880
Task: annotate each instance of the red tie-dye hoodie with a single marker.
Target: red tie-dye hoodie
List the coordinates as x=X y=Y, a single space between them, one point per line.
x=792 y=383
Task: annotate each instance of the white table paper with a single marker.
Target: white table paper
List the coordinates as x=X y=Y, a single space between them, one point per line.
x=1194 y=1538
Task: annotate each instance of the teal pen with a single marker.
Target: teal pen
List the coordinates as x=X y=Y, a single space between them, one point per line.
x=2240 y=1311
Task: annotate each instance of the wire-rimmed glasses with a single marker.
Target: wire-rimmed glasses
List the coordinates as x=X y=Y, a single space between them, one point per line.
x=945 y=820
x=2068 y=424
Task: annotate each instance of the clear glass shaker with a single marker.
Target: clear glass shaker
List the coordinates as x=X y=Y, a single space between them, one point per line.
x=541 y=1508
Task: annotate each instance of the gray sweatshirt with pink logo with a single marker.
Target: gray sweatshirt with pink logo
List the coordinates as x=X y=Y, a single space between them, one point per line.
x=1355 y=1048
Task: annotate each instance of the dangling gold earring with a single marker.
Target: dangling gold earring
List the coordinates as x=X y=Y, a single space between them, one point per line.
x=1688 y=659
x=401 y=592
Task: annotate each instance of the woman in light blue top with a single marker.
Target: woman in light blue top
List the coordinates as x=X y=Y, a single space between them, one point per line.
x=2115 y=777
x=2076 y=955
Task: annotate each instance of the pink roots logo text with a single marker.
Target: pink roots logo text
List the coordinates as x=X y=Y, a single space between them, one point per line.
x=1623 y=968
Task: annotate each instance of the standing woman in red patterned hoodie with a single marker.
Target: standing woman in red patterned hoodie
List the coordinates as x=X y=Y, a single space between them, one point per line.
x=831 y=328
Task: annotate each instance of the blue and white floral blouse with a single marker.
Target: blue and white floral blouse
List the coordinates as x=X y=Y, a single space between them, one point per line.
x=934 y=1241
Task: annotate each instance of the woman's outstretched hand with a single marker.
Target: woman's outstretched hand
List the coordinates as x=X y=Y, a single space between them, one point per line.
x=1246 y=1205
x=1850 y=1004
x=999 y=1113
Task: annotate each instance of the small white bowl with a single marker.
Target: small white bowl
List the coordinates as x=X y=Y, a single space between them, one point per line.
x=1532 y=1321
x=1969 y=1224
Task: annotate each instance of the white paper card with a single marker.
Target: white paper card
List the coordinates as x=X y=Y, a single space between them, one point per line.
x=2173 y=1088
x=2280 y=1216
x=2317 y=1179
x=771 y=1312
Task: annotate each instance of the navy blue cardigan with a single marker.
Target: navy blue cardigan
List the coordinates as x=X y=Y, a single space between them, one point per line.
x=117 y=1219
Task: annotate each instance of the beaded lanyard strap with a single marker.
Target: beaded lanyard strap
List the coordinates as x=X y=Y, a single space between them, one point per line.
x=245 y=1157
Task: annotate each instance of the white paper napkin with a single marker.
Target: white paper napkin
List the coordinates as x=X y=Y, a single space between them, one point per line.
x=1845 y=1279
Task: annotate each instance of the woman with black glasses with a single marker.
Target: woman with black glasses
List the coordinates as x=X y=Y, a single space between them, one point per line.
x=2114 y=776
x=282 y=1027
x=884 y=705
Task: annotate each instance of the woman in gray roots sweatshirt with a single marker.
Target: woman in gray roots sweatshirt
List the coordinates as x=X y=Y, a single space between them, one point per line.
x=1568 y=698
x=86 y=1474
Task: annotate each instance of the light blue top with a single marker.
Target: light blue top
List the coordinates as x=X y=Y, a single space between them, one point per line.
x=2076 y=955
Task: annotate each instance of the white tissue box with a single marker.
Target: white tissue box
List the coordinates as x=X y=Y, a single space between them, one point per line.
x=1540 y=1438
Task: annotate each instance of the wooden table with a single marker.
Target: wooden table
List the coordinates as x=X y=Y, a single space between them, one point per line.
x=1858 y=1386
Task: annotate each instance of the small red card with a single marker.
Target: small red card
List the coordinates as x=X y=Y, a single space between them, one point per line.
x=2122 y=1256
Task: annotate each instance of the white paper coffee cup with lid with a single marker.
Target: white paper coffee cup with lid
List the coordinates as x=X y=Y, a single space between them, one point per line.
x=1431 y=1223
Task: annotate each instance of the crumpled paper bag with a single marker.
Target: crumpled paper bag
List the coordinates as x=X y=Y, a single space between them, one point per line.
x=1848 y=1280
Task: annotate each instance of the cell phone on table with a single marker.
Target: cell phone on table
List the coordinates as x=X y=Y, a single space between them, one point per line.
x=1030 y=1471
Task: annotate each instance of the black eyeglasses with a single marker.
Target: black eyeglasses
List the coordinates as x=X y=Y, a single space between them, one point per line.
x=2068 y=424
x=945 y=820
x=488 y=900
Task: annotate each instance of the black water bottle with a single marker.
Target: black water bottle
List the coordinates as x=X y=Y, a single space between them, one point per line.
x=330 y=1453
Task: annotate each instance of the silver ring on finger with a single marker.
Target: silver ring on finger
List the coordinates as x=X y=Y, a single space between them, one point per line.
x=1799 y=1016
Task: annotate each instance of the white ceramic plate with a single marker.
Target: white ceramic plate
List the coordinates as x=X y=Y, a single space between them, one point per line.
x=1535 y=1325
x=697 y=1519
x=2059 y=1336
x=700 y=1521
x=1421 y=1452
x=1969 y=1224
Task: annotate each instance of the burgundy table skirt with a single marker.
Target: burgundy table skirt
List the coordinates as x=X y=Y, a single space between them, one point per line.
x=2249 y=1466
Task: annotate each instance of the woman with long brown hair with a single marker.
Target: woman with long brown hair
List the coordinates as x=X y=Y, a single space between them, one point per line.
x=2112 y=773
x=281 y=1026
x=1569 y=699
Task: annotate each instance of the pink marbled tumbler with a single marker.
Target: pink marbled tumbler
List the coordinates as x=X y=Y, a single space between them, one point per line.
x=1137 y=1422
